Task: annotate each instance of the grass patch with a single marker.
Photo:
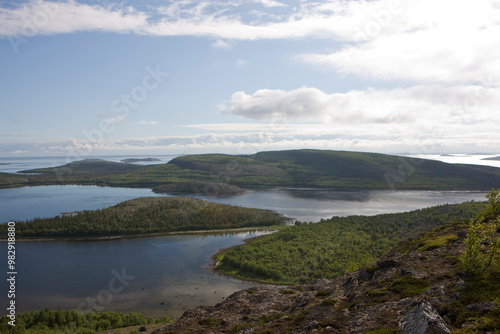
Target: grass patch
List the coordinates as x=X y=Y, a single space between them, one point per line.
x=408 y=286
x=329 y=302
x=382 y=331
x=372 y=270
x=437 y=242
x=299 y=317
x=376 y=293
x=323 y=293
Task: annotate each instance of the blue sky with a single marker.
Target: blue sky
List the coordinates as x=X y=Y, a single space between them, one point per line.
x=81 y=78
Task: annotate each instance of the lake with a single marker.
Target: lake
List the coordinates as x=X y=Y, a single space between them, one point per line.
x=303 y=204
x=161 y=275
x=157 y=276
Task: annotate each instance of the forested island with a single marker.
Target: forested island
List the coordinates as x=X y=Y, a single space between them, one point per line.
x=147 y=216
x=295 y=168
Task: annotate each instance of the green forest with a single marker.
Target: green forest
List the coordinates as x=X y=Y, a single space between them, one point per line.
x=297 y=168
x=333 y=247
x=149 y=215
x=63 y=322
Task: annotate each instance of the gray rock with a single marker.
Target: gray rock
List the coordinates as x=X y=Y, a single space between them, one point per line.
x=423 y=319
x=435 y=290
x=414 y=273
x=460 y=283
x=349 y=285
x=405 y=302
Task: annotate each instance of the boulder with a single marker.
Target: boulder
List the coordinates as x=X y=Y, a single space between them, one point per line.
x=423 y=319
x=414 y=273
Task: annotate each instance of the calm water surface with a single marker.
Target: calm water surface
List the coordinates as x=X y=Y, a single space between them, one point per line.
x=157 y=276
x=302 y=204
x=48 y=201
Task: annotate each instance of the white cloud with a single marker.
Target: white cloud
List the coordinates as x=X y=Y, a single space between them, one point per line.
x=147 y=123
x=424 y=41
x=115 y=120
x=46 y=17
x=414 y=111
x=240 y=63
x=221 y=44
x=220 y=20
x=447 y=41
x=270 y=3
x=249 y=143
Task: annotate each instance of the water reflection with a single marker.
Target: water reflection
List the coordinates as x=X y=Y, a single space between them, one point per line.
x=314 y=204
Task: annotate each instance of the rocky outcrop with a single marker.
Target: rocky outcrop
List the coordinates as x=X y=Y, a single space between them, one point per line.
x=423 y=319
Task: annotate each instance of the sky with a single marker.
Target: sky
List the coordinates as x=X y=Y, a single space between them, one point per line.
x=85 y=78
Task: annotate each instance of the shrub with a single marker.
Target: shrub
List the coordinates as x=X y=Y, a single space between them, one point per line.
x=481 y=245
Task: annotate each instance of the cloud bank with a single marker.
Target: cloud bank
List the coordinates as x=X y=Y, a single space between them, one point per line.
x=446 y=41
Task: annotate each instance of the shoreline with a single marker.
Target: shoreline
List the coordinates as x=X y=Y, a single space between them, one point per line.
x=148 y=235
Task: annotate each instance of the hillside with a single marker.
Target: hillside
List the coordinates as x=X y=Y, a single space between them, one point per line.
x=421 y=277
x=146 y=216
x=332 y=247
x=342 y=170
x=296 y=168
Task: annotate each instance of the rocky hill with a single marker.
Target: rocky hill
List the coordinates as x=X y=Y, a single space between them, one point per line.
x=419 y=287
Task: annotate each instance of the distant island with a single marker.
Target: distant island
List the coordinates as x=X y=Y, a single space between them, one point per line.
x=492 y=158
x=4 y=163
x=132 y=160
x=334 y=170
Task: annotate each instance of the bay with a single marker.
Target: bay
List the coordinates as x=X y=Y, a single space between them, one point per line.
x=156 y=276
